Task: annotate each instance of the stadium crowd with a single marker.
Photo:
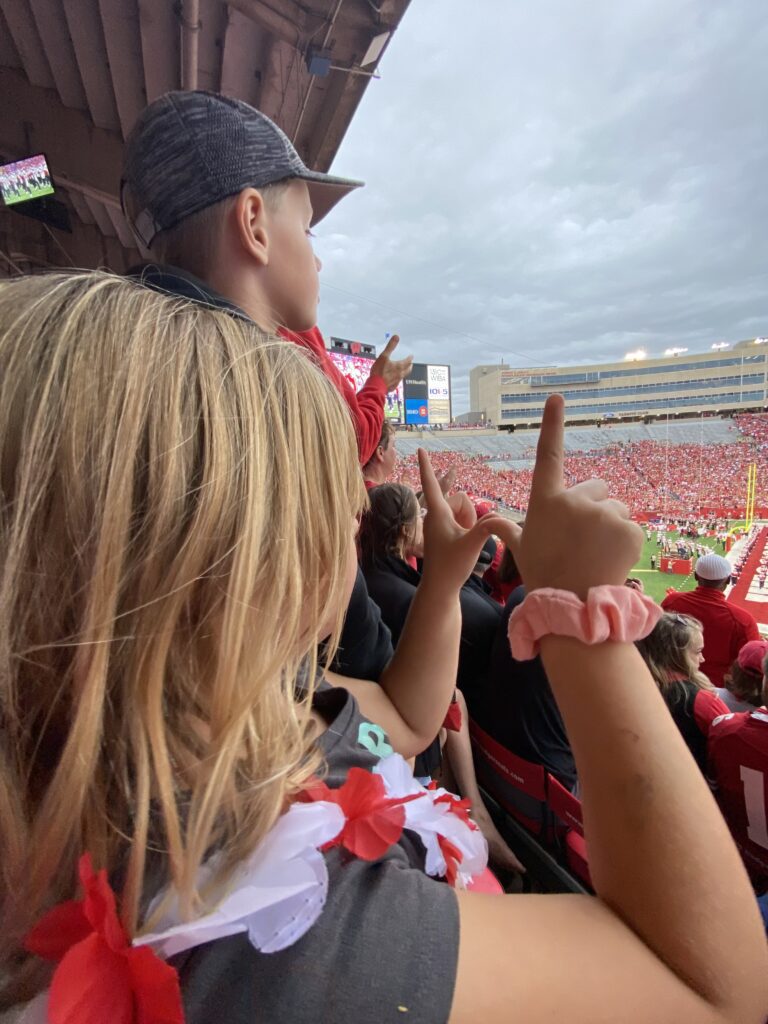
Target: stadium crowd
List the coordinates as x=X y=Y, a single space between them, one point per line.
x=647 y=476
x=227 y=774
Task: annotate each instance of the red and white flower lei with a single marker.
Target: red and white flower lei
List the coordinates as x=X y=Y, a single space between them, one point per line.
x=275 y=896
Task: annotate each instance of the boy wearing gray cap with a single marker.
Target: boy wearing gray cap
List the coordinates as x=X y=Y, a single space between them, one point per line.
x=217 y=195
x=726 y=626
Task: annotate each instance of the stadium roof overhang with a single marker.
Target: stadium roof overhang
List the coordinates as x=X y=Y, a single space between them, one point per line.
x=74 y=75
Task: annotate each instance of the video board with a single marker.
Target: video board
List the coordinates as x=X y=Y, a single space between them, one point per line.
x=357 y=369
x=427 y=390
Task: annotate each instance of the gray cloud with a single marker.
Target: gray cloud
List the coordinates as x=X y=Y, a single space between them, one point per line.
x=560 y=182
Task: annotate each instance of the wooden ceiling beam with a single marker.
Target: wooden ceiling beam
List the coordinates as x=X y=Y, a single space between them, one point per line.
x=28 y=43
x=122 y=35
x=102 y=218
x=87 y=35
x=81 y=208
x=159 y=27
x=210 y=44
x=52 y=27
x=241 y=63
x=120 y=225
x=9 y=57
x=68 y=138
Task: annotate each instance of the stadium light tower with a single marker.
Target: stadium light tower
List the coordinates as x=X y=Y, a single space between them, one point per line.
x=674 y=351
x=633 y=357
x=720 y=345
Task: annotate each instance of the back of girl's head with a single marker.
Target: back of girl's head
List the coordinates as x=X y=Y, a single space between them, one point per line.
x=667 y=651
x=164 y=573
x=392 y=513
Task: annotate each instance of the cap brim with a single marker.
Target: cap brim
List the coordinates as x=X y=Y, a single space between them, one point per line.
x=325 y=191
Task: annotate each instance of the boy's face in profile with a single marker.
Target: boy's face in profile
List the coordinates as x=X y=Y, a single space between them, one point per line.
x=291 y=275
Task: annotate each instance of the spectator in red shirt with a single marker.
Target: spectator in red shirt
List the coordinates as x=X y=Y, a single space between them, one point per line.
x=366 y=405
x=738 y=770
x=726 y=627
x=673 y=654
x=381 y=464
x=743 y=688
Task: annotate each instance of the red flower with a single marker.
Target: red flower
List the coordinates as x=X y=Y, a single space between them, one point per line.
x=461 y=808
x=453 y=857
x=100 y=976
x=374 y=821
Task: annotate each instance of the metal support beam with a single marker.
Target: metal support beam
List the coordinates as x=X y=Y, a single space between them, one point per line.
x=52 y=26
x=90 y=49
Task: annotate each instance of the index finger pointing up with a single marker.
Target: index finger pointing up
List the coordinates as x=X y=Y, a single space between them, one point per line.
x=429 y=485
x=391 y=345
x=548 y=472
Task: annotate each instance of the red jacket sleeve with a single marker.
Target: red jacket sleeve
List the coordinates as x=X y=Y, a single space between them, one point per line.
x=366 y=406
x=707 y=706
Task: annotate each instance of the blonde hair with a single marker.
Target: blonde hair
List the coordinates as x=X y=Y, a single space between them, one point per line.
x=176 y=494
x=667 y=652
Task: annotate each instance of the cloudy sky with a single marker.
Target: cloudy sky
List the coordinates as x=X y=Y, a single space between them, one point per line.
x=556 y=183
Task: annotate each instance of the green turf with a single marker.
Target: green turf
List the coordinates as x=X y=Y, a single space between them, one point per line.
x=655 y=582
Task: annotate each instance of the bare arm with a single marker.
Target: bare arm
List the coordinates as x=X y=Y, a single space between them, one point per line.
x=674 y=934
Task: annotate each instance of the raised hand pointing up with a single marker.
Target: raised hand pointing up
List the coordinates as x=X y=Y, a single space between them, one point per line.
x=573 y=539
x=392 y=370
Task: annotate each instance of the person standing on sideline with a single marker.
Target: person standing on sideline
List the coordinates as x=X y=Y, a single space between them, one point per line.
x=726 y=626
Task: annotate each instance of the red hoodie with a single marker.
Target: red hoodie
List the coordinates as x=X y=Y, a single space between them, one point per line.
x=366 y=406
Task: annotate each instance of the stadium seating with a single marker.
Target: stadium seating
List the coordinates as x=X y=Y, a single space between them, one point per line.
x=678 y=469
x=568 y=828
x=517 y=785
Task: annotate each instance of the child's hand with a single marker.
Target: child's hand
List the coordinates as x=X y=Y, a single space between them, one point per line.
x=392 y=370
x=573 y=539
x=451 y=549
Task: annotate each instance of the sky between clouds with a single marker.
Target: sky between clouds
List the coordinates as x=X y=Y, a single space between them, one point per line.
x=557 y=183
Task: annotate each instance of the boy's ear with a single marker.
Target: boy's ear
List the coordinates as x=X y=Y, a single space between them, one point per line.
x=251 y=225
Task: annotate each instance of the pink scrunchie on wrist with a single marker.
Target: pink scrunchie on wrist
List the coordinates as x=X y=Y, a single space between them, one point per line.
x=615 y=613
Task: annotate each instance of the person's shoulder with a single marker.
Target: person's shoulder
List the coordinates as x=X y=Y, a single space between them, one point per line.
x=732 y=723
x=385 y=944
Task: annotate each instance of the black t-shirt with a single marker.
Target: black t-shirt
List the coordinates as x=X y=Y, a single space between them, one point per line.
x=384 y=949
x=392 y=584
x=515 y=705
x=365 y=648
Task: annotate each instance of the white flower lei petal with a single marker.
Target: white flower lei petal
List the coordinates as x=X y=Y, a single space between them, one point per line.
x=429 y=820
x=276 y=895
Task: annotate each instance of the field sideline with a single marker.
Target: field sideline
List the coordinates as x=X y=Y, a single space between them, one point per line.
x=655 y=582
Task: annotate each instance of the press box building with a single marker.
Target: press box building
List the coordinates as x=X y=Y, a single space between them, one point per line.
x=726 y=381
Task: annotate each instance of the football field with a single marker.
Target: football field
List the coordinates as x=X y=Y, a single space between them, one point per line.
x=655 y=582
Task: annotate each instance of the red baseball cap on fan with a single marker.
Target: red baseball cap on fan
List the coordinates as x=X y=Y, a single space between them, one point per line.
x=752 y=655
x=482 y=508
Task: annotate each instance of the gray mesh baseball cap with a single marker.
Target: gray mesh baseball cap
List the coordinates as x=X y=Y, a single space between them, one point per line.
x=189 y=150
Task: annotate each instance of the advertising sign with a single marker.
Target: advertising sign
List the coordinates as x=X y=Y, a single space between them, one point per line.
x=416 y=391
x=439 y=393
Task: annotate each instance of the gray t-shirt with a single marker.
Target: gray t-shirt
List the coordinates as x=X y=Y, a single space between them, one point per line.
x=384 y=949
